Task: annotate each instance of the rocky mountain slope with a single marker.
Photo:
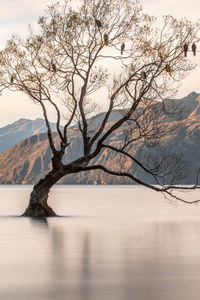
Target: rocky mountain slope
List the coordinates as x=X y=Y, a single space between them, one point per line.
x=30 y=159
x=19 y=130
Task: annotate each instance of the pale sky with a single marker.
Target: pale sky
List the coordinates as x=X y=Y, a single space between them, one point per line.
x=15 y=15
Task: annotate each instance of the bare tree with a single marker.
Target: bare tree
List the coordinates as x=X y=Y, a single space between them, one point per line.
x=105 y=49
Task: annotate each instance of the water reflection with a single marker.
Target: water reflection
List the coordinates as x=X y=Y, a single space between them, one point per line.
x=58 y=259
x=143 y=261
x=39 y=222
x=69 y=263
x=110 y=256
x=85 y=268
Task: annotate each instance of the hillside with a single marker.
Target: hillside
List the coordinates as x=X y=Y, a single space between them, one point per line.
x=19 y=130
x=30 y=159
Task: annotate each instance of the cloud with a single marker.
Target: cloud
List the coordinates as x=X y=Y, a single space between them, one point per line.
x=176 y=8
x=20 y=10
x=15 y=15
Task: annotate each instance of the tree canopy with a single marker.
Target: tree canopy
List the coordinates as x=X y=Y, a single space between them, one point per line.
x=109 y=51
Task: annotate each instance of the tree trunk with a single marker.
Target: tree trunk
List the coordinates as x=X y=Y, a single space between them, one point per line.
x=38 y=206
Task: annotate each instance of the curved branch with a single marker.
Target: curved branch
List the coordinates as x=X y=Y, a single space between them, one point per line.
x=153 y=187
x=130 y=111
x=125 y=174
x=132 y=158
x=58 y=119
x=49 y=133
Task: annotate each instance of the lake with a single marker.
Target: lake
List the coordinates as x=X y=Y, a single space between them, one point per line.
x=112 y=243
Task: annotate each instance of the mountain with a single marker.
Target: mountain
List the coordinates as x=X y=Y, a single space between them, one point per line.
x=19 y=130
x=30 y=159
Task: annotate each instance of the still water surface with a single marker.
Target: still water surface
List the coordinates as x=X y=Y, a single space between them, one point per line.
x=112 y=243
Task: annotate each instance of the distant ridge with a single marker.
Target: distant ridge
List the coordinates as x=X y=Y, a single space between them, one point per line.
x=30 y=159
x=21 y=129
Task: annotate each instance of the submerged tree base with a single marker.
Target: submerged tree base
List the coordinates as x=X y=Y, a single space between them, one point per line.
x=38 y=210
x=38 y=207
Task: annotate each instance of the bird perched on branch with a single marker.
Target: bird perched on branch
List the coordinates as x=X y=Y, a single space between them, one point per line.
x=11 y=79
x=98 y=23
x=168 y=68
x=194 y=48
x=122 y=48
x=143 y=75
x=185 y=48
x=106 y=39
x=54 y=68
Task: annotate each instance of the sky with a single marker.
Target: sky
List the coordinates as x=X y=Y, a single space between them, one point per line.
x=15 y=15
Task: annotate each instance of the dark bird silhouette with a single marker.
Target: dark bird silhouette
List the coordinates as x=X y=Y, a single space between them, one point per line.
x=106 y=39
x=54 y=68
x=143 y=75
x=98 y=23
x=168 y=68
x=185 y=48
x=11 y=79
x=122 y=48
x=194 y=48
